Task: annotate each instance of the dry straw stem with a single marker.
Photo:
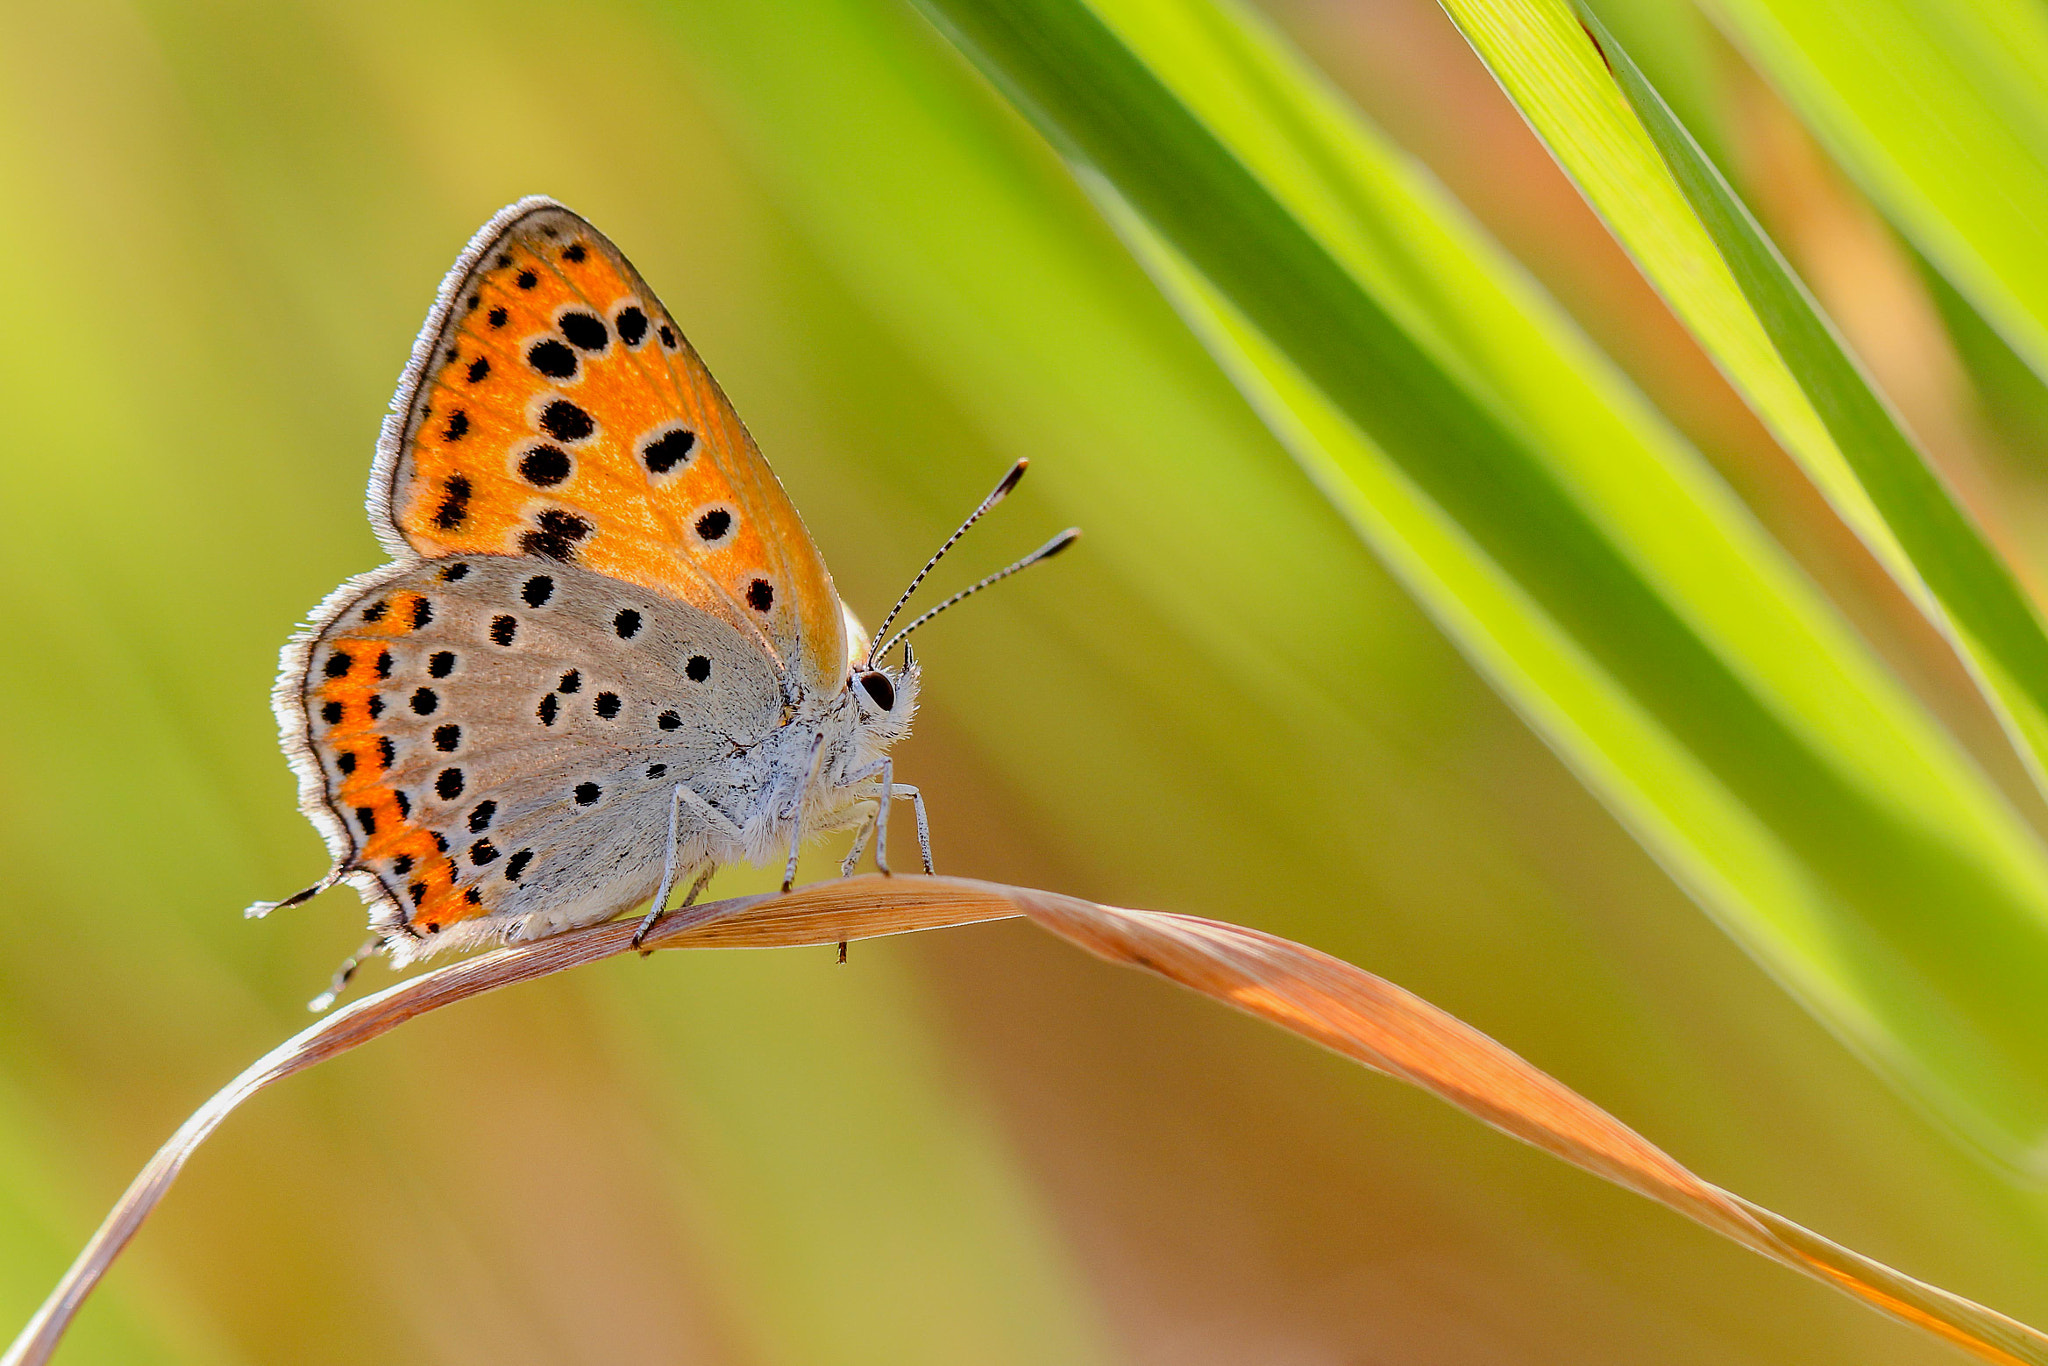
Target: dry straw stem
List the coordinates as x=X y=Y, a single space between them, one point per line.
x=1346 y=1009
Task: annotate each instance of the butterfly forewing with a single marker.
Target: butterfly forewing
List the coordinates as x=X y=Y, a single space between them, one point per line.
x=553 y=410
x=493 y=741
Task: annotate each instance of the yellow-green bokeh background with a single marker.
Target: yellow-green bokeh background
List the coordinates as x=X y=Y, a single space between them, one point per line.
x=225 y=221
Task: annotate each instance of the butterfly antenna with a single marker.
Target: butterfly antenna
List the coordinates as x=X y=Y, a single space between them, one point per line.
x=1000 y=492
x=1044 y=552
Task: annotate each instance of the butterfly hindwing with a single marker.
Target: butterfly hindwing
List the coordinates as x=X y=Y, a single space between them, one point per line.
x=490 y=743
x=552 y=409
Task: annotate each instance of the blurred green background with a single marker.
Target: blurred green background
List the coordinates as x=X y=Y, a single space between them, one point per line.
x=979 y=1146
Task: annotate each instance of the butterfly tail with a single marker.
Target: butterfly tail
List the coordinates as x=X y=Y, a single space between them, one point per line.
x=258 y=910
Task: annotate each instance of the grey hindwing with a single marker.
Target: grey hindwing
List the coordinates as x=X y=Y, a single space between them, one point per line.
x=539 y=720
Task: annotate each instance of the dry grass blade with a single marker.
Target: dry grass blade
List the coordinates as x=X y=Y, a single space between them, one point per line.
x=1372 y=1021
x=1344 y=1008
x=825 y=913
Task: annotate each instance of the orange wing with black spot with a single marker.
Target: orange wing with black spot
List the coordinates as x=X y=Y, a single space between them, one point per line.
x=553 y=409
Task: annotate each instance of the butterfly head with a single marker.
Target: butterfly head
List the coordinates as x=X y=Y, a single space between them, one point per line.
x=885 y=699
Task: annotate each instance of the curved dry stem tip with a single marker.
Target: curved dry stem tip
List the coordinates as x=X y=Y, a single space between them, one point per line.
x=1341 y=1007
x=1371 y=1021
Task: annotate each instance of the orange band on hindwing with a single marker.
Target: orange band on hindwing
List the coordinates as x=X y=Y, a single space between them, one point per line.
x=348 y=684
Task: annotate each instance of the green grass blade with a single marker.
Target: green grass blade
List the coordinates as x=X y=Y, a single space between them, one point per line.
x=1565 y=538
x=1939 y=108
x=1975 y=595
x=1671 y=209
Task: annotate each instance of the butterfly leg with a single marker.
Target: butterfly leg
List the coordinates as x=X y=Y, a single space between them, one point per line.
x=882 y=817
x=878 y=824
x=342 y=974
x=796 y=809
x=654 y=916
x=860 y=846
x=668 y=866
x=924 y=827
x=924 y=830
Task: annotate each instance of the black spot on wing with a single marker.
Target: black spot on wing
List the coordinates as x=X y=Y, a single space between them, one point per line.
x=668 y=450
x=552 y=358
x=585 y=331
x=454 y=509
x=564 y=421
x=544 y=466
x=555 y=535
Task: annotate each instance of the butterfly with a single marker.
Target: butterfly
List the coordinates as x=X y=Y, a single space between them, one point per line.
x=606 y=653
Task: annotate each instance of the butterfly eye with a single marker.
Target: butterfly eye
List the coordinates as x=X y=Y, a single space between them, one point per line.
x=877 y=686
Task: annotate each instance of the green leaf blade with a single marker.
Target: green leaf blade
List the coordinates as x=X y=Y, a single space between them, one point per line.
x=1565 y=538
x=1939 y=108
x=1952 y=570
